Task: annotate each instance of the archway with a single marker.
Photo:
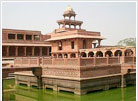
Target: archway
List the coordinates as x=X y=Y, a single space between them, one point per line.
x=99 y=54
x=73 y=55
x=109 y=53
x=59 y=55
x=90 y=54
x=83 y=54
x=118 y=53
x=128 y=52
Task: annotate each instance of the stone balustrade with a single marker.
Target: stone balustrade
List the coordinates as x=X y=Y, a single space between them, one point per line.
x=91 y=61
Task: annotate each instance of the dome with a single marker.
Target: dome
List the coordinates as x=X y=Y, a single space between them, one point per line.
x=69 y=8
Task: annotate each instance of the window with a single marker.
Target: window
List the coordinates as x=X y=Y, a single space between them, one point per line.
x=11 y=36
x=84 y=44
x=20 y=36
x=72 y=44
x=60 y=45
x=28 y=37
x=36 y=37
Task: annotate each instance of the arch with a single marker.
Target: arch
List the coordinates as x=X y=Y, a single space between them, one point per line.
x=118 y=53
x=99 y=54
x=90 y=54
x=73 y=55
x=109 y=53
x=83 y=54
x=128 y=52
x=59 y=55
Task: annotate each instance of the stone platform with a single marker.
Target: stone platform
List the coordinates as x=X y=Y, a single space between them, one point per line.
x=78 y=86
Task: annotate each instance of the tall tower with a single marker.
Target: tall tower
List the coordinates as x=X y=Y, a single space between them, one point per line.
x=69 y=38
x=69 y=13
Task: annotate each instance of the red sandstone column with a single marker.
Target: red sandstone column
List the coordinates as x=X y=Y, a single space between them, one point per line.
x=32 y=37
x=40 y=51
x=15 y=36
x=107 y=59
x=123 y=57
x=16 y=52
x=68 y=55
x=24 y=37
x=118 y=58
x=47 y=51
x=33 y=51
x=94 y=59
x=79 y=26
x=99 y=42
x=79 y=61
x=7 y=51
x=24 y=51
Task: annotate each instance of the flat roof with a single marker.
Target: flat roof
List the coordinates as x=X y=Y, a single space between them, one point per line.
x=74 y=36
x=23 y=44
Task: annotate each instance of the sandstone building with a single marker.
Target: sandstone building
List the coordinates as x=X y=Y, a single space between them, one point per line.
x=78 y=63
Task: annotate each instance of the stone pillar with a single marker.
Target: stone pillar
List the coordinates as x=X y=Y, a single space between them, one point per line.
x=74 y=26
x=15 y=36
x=79 y=61
x=104 y=54
x=68 y=55
x=87 y=54
x=47 y=50
x=25 y=51
x=55 y=88
x=99 y=42
x=79 y=91
x=40 y=51
x=16 y=51
x=94 y=59
x=69 y=26
x=33 y=51
x=32 y=37
x=7 y=51
x=107 y=59
x=119 y=59
x=24 y=36
x=79 y=26
x=123 y=57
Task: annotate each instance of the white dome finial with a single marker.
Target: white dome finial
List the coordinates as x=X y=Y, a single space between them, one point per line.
x=69 y=8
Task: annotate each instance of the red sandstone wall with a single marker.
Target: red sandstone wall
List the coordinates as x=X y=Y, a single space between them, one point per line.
x=100 y=71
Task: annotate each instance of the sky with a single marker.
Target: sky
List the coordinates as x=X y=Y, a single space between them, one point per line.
x=115 y=20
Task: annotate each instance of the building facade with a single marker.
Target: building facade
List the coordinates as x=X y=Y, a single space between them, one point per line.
x=78 y=62
x=23 y=43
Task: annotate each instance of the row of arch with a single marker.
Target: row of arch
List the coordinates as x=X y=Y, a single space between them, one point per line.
x=127 y=52
x=72 y=55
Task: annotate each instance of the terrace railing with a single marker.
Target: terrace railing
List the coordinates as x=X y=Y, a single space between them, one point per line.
x=92 y=61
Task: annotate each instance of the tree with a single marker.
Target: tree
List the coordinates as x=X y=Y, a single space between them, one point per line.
x=127 y=42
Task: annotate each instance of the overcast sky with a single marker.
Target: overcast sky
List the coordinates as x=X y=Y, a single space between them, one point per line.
x=115 y=20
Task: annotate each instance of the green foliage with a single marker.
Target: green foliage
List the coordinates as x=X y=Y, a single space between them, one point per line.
x=127 y=42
